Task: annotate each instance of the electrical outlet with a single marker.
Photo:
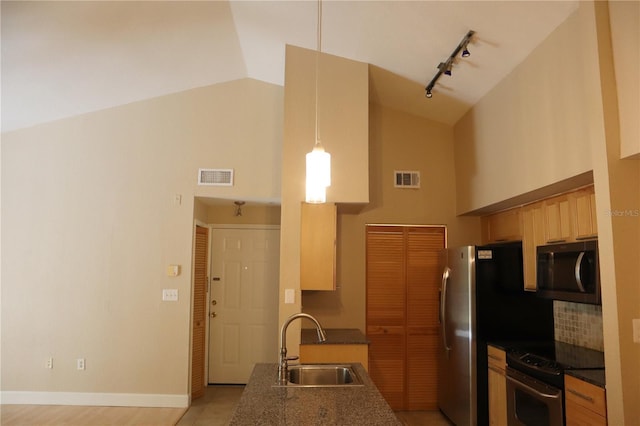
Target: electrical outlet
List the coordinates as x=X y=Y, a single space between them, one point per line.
x=80 y=364
x=50 y=363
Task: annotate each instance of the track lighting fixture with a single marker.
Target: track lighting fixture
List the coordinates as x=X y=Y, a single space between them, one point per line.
x=465 y=50
x=446 y=66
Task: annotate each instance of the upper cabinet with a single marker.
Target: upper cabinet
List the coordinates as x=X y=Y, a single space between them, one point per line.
x=562 y=218
x=318 y=224
x=558 y=219
x=584 y=219
x=501 y=227
x=533 y=235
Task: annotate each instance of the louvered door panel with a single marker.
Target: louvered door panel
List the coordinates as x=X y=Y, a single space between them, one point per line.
x=199 y=311
x=387 y=362
x=423 y=247
x=385 y=276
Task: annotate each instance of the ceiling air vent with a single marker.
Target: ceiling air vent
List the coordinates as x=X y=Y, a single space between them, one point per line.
x=406 y=179
x=216 y=177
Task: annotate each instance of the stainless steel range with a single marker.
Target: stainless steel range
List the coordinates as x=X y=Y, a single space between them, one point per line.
x=535 y=380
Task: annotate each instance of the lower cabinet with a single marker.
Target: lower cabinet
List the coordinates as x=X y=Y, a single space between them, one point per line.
x=585 y=404
x=338 y=353
x=497 y=386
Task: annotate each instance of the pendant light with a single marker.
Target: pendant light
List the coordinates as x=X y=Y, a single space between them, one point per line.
x=318 y=160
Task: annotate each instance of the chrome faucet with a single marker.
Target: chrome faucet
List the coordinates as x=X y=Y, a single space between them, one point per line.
x=283 y=366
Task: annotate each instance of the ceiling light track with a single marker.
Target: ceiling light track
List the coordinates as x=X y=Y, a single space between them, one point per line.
x=445 y=67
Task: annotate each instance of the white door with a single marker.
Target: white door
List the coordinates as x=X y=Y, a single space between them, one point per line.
x=243 y=305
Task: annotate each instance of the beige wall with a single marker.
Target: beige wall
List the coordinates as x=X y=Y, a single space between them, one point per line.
x=254 y=214
x=554 y=118
x=532 y=125
x=90 y=223
x=625 y=37
x=398 y=141
x=343 y=114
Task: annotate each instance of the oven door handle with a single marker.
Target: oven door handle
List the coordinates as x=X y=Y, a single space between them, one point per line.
x=530 y=388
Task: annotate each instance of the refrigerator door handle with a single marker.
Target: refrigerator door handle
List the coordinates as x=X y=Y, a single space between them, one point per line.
x=443 y=304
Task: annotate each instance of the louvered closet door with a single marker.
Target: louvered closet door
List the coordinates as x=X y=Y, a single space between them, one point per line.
x=199 y=311
x=402 y=313
x=423 y=248
x=386 y=311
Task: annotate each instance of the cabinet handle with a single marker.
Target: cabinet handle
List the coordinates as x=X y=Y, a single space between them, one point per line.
x=497 y=370
x=580 y=394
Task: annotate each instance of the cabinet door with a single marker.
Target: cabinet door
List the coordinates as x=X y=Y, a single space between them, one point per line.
x=318 y=246
x=557 y=212
x=584 y=217
x=497 y=383
x=585 y=403
x=502 y=226
x=533 y=235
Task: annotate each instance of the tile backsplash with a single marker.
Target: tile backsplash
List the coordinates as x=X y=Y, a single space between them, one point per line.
x=578 y=324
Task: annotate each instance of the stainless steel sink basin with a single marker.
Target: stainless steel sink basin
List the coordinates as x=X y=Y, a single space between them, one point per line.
x=322 y=375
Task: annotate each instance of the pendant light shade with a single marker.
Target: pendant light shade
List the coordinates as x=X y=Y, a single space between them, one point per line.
x=318 y=174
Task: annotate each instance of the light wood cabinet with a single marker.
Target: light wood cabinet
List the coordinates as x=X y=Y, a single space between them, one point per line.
x=585 y=403
x=533 y=235
x=318 y=225
x=584 y=214
x=497 y=383
x=502 y=226
x=558 y=223
x=335 y=353
x=562 y=218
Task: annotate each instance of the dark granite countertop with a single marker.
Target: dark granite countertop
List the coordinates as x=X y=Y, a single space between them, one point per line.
x=335 y=336
x=595 y=377
x=262 y=403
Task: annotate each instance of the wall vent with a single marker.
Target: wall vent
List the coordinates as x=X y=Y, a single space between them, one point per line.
x=216 y=177
x=406 y=179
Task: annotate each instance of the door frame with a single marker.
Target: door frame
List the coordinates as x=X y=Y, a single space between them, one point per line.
x=211 y=228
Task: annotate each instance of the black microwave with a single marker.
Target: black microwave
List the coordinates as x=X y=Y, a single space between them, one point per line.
x=569 y=272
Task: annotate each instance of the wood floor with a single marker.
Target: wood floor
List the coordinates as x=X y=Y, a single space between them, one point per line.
x=64 y=415
x=213 y=409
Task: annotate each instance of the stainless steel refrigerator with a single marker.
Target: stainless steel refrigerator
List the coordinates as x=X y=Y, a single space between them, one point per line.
x=482 y=299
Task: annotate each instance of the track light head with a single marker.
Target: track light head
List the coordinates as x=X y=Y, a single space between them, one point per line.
x=466 y=53
x=428 y=94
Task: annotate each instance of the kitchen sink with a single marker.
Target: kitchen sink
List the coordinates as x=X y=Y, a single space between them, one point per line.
x=322 y=375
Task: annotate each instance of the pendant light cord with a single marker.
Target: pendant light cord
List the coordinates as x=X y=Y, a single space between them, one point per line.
x=318 y=52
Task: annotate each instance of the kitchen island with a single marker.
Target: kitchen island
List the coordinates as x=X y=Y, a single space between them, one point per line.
x=262 y=403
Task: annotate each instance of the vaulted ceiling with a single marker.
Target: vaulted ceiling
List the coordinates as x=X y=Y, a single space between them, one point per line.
x=60 y=58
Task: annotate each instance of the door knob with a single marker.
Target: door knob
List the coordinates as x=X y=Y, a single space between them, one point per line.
x=213 y=315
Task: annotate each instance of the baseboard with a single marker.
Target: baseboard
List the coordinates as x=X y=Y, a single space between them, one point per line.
x=95 y=399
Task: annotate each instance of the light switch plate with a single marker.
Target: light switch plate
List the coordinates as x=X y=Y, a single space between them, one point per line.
x=289 y=295
x=636 y=330
x=170 y=295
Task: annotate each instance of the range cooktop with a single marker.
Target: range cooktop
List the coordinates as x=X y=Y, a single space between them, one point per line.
x=547 y=361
